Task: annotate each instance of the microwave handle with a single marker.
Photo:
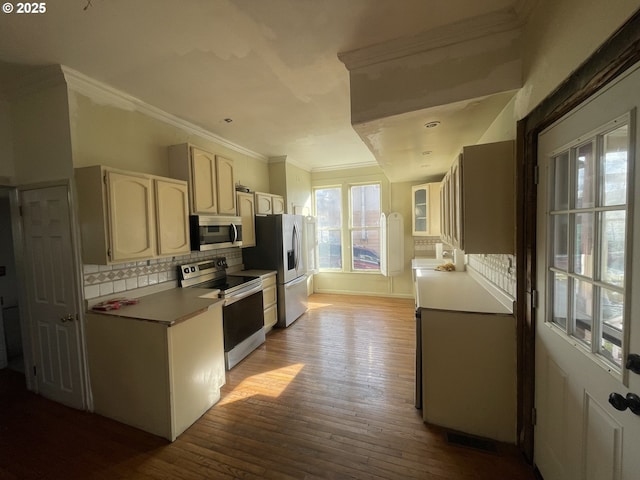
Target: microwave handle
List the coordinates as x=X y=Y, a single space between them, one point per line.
x=234 y=233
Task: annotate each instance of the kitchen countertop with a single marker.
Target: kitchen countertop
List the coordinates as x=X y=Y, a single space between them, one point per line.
x=459 y=291
x=256 y=273
x=168 y=307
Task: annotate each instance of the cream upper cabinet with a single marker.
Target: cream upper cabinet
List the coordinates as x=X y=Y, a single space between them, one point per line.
x=172 y=217
x=246 y=211
x=126 y=216
x=426 y=209
x=211 y=179
x=226 y=186
x=204 y=185
x=131 y=216
x=267 y=203
x=264 y=203
x=277 y=203
x=477 y=196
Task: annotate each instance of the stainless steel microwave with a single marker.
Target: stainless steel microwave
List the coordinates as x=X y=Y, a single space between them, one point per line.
x=211 y=231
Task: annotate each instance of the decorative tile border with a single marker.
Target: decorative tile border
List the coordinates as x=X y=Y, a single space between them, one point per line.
x=100 y=280
x=498 y=269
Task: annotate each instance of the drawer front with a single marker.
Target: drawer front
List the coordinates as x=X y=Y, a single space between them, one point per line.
x=270 y=317
x=267 y=282
x=269 y=296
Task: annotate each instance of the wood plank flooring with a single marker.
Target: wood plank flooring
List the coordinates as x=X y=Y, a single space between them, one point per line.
x=329 y=397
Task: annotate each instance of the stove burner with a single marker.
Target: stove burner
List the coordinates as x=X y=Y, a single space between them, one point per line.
x=212 y=274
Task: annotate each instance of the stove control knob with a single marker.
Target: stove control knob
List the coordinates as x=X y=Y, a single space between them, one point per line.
x=186 y=270
x=193 y=269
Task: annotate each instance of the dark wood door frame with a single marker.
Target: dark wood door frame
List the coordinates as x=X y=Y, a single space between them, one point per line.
x=617 y=54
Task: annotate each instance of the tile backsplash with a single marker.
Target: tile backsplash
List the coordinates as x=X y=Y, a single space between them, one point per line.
x=425 y=246
x=101 y=280
x=498 y=269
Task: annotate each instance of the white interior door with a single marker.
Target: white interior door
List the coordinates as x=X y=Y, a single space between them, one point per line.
x=51 y=294
x=588 y=273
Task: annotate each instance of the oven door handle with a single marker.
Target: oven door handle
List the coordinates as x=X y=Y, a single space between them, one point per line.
x=243 y=295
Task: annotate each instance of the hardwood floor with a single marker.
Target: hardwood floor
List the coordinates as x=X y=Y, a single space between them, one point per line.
x=329 y=397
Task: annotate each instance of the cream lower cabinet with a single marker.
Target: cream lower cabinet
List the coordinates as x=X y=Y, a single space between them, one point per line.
x=152 y=376
x=246 y=211
x=270 y=301
x=127 y=216
x=210 y=177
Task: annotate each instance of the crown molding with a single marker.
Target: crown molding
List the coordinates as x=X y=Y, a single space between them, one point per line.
x=104 y=93
x=278 y=159
x=287 y=161
x=481 y=26
x=349 y=166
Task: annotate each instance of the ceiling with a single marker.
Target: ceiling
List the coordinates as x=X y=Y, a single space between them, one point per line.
x=271 y=66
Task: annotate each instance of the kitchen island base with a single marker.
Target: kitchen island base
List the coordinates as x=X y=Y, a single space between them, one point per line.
x=155 y=376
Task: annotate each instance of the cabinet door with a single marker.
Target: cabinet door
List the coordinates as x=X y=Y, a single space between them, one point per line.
x=263 y=203
x=131 y=216
x=277 y=204
x=203 y=182
x=246 y=211
x=487 y=183
x=270 y=317
x=269 y=296
x=445 y=209
x=433 y=224
x=226 y=186
x=420 y=195
x=172 y=214
x=456 y=213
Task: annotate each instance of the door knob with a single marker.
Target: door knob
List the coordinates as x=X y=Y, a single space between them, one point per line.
x=68 y=318
x=631 y=401
x=633 y=363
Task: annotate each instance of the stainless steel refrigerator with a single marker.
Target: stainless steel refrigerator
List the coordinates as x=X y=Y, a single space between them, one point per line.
x=279 y=246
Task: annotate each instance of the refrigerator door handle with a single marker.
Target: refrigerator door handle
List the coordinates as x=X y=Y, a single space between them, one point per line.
x=296 y=251
x=298 y=280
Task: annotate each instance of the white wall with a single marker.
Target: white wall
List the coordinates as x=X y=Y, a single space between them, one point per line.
x=559 y=37
x=111 y=135
x=298 y=189
x=396 y=197
x=41 y=136
x=7 y=170
x=8 y=282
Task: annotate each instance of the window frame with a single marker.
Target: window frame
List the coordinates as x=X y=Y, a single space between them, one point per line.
x=320 y=229
x=346 y=226
x=351 y=228
x=592 y=349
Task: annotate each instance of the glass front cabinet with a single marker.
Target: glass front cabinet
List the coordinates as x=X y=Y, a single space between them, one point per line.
x=426 y=210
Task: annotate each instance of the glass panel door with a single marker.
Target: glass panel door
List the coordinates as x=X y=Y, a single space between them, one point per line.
x=588 y=231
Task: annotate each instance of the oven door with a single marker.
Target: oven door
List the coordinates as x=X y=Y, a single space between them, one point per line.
x=242 y=318
x=208 y=233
